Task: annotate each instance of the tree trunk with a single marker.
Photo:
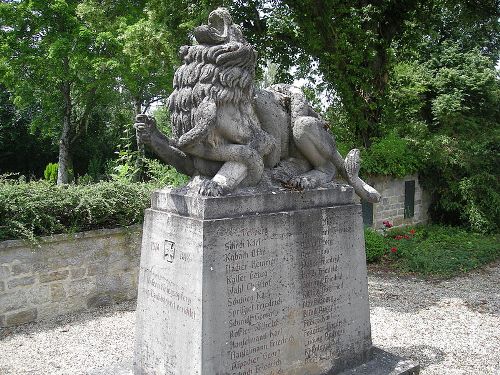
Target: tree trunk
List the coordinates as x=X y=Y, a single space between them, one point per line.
x=64 y=163
x=139 y=161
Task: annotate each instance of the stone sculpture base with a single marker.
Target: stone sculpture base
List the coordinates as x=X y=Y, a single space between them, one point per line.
x=255 y=284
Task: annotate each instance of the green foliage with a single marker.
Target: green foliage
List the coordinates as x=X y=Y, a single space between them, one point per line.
x=462 y=149
x=374 y=245
x=50 y=173
x=433 y=250
x=162 y=117
x=40 y=208
x=95 y=168
x=86 y=179
x=21 y=151
x=143 y=53
x=446 y=102
x=163 y=175
x=56 y=68
x=406 y=101
x=124 y=168
x=391 y=156
x=353 y=45
x=446 y=251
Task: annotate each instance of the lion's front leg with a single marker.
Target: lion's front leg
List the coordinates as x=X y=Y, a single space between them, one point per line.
x=215 y=136
x=149 y=134
x=243 y=165
x=227 y=179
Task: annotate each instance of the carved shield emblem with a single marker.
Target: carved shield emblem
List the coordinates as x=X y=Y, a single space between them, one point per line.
x=169 y=250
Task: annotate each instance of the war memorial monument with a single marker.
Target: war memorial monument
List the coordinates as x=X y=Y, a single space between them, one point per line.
x=257 y=265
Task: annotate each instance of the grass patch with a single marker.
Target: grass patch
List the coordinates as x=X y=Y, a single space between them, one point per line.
x=433 y=250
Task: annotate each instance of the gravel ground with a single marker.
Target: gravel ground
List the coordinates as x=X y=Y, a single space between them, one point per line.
x=450 y=327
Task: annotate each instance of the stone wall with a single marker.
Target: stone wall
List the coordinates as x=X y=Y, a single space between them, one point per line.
x=67 y=273
x=392 y=205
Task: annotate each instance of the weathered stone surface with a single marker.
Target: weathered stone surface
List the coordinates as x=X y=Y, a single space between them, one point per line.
x=20 y=268
x=391 y=206
x=281 y=292
x=77 y=273
x=21 y=281
x=248 y=203
x=99 y=300
x=96 y=269
x=124 y=368
x=4 y=272
x=80 y=287
x=54 y=276
x=57 y=292
x=39 y=294
x=21 y=317
x=12 y=301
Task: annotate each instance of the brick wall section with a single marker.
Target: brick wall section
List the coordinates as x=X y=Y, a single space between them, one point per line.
x=391 y=207
x=67 y=273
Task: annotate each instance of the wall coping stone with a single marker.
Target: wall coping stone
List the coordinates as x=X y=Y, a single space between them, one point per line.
x=379 y=177
x=96 y=233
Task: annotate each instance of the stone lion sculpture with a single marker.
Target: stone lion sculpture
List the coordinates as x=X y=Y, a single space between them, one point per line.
x=231 y=134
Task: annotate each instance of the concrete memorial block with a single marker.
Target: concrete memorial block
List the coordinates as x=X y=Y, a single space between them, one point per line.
x=266 y=292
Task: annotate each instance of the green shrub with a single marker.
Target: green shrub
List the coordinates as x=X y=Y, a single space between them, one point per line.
x=40 y=208
x=374 y=245
x=86 y=179
x=440 y=251
x=447 y=251
x=50 y=172
x=390 y=156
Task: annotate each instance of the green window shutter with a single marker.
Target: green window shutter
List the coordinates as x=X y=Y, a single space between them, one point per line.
x=367 y=210
x=409 y=199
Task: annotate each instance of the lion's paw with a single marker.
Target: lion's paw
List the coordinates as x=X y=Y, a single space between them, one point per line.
x=210 y=188
x=311 y=180
x=303 y=182
x=280 y=174
x=146 y=128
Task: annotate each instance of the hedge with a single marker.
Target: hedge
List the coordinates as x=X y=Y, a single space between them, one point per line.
x=39 y=208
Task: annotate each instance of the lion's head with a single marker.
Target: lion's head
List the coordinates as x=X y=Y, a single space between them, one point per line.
x=220 y=68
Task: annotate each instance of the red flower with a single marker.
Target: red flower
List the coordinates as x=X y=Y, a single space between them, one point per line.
x=387 y=224
x=394 y=250
x=412 y=231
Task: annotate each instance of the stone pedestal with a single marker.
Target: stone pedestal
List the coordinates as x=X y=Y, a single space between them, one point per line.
x=253 y=284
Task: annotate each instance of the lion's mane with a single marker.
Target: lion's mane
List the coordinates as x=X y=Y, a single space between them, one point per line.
x=220 y=73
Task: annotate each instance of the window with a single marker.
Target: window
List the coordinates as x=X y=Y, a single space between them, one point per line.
x=367 y=210
x=409 y=199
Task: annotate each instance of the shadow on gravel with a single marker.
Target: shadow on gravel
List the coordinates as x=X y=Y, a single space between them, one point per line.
x=477 y=290
x=61 y=322
x=424 y=355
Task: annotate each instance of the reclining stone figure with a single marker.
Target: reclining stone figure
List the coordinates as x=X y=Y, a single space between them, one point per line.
x=230 y=133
